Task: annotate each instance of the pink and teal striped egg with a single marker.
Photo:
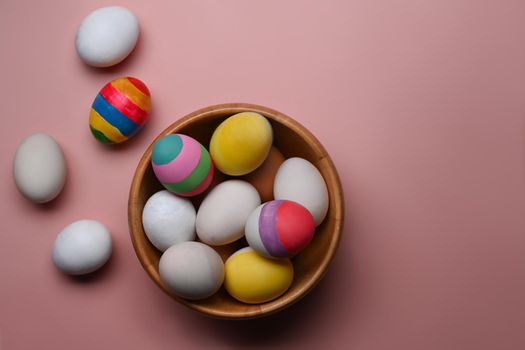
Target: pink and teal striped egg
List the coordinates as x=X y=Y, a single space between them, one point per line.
x=182 y=165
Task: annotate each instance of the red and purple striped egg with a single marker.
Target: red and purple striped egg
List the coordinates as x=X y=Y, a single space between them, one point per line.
x=182 y=165
x=279 y=228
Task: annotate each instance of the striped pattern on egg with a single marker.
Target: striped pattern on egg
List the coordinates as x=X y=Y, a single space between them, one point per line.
x=279 y=228
x=182 y=165
x=120 y=110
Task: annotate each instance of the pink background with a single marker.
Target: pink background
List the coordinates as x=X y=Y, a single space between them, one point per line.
x=421 y=104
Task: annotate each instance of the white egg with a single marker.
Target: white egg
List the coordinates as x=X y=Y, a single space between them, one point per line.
x=107 y=36
x=299 y=180
x=223 y=213
x=82 y=247
x=39 y=168
x=168 y=219
x=191 y=270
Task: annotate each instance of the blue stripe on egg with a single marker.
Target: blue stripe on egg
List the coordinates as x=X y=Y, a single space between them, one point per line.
x=114 y=117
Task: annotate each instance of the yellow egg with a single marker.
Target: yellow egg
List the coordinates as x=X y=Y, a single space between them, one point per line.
x=241 y=143
x=253 y=279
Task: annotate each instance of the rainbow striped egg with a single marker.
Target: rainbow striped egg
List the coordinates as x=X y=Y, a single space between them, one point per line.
x=182 y=165
x=279 y=228
x=120 y=109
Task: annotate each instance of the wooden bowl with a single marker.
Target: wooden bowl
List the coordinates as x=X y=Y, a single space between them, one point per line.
x=293 y=140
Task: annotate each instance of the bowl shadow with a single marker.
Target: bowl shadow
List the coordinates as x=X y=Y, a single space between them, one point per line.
x=268 y=331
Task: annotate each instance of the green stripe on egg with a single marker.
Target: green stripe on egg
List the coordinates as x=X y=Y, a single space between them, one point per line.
x=100 y=136
x=195 y=178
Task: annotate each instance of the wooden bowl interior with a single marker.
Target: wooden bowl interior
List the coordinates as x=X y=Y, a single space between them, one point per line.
x=293 y=140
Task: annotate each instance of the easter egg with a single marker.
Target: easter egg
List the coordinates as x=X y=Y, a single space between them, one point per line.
x=224 y=211
x=39 y=168
x=241 y=143
x=299 y=180
x=253 y=279
x=82 y=247
x=191 y=270
x=279 y=228
x=263 y=177
x=182 y=165
x=120 y=110
x=168 y=219
x=107 y=36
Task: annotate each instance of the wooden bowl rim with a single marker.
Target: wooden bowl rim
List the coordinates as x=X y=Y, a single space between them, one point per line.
x=225 y=109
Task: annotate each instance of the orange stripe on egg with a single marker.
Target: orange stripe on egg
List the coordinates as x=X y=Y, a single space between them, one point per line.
x=128 y=89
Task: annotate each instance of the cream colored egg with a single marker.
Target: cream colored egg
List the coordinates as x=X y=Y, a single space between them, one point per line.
x=223 y=213
x=39 y=168
x=191 y=270
x=299 y=180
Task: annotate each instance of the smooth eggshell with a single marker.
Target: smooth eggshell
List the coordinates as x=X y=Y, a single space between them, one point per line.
x=223 y=213
x=263 y=177
x=241 y=143
x=168 y=219
x=107 y=36
x=39 y=168
x=279 y=228
x=299 y=180
x=253 y=278
x=191 y=270
x=82 y=247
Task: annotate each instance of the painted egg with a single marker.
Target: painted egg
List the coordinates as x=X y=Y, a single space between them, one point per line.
x=82 y=247
x=39 y=168
x=279 y=228
x=191 y=270
x=107 y=36
x=168 y=219
x=299 y=180
x=263 y=177
x=253 y=279
x=120 y=110
x=223 y=213
x=182 y=165
x=241 y=143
